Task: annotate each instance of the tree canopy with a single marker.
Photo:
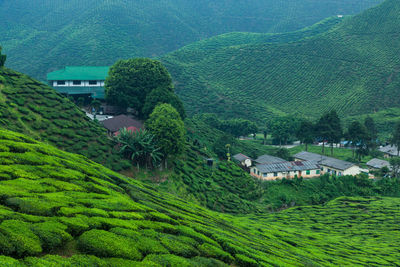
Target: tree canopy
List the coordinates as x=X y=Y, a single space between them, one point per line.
x=358 y=136
x=396 y=137
x=2 y=59
x=306 y=132
x=130 y=83
x=329 y=128
x=166 y=125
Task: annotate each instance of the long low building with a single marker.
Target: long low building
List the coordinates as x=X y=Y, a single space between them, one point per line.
x=329 y=165
x=82 y=80
x=289 y=170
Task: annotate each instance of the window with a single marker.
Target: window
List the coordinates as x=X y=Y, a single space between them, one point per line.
x=92 y=82
x=258 y=173
x=329 y=170
x=60 y=82
x=254 y=171
x=265 y=174
x=318 y=172
x=76 y=82
x=275 y=174
x=340 y=174
x=308 y=172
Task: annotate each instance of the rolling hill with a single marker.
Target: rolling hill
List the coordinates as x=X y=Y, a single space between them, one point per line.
x=60 y=209
x=352 y=67
x=43 y=35
x=33 y=108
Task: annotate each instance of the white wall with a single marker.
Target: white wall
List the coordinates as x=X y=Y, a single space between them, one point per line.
x=83 y=83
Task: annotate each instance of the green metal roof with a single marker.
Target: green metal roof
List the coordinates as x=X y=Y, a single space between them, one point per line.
x=83 y=73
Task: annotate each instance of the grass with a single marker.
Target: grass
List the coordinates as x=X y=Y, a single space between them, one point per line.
x=238 y=76
x=114 y=214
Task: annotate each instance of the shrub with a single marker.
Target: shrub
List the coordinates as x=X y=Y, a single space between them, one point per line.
x=8 y=262
x=243 y=260
x=208 y=250
x=21 y=237
x=51 y=234
x=168 y=260
x=106 y=244
x=207 y=262
x=76 y=225
x=175 y=246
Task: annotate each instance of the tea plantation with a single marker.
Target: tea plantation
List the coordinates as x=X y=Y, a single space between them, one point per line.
x=58 y=208
x=352 y=67
x=30 y=107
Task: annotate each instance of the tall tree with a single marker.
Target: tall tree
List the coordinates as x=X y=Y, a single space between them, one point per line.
x=371 y=131
x=162 y=96
x=396 y=137
x=358 y=136
x=130 y=81
x=395 y=164
x=282 y=129
x=169 y=130
x=306 y=133
x=2 y=59
x=329 y=129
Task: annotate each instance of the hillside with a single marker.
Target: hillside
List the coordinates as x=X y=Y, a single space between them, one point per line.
x=58 y=208
x=40 y=36
x=33 y=108
x=353 y=67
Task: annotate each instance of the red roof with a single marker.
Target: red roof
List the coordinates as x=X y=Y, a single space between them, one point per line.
x=121 y=121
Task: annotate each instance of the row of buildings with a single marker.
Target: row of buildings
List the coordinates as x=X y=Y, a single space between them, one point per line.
x=306 y=165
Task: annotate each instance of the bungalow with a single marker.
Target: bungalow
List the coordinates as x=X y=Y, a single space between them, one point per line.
x=113 y=125
x=244 y=160
x=377 y=164
x=389 y=151
x=83 y=80
x=329 y=165
x=288 y=170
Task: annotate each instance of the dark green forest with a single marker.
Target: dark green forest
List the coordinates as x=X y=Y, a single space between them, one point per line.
x=41 y=36
x=352 y=67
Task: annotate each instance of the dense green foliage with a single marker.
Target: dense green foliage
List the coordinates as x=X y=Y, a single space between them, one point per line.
x=140 y=84
x=30 y=107
x=351 y=68
x=58 y=208
x=2 y=58
x=168 y=129
x=99 y=32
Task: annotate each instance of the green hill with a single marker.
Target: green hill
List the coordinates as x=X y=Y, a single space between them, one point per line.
x=40 y=36
x=33 y=108
x=60 y=209
x=353 y=67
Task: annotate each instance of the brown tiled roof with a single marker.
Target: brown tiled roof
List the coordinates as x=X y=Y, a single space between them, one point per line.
x=121 y=121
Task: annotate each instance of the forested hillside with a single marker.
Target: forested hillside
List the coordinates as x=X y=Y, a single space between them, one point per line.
x=60 y=209
x=353 y=68
x=42 y=35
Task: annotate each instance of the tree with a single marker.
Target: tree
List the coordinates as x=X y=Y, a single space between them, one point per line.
x=265 y=133
x=306 y=133
x=169 y=130
x=395 y=163
x=139 y=146
x=282 y=129
x=130 y=81
x=219 y=146
x=396 y=137
x=162 y=96
x=2 y=59
x=358 y=136
x=329 y=129
x=372 y=132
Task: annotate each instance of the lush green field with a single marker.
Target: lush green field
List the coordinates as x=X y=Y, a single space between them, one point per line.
x=30 y=107
x=353 y=68
x=41 y=36
x=58 y=208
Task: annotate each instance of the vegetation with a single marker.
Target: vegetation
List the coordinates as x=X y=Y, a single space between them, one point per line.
x=303 y=77
x=59 y=208
x=2 y=59
x=139 y=146
x=130 y=84
x=30 y=107
x=98 y=33
x=168 y=129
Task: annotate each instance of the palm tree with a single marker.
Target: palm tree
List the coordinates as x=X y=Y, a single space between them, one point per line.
x=140 y=147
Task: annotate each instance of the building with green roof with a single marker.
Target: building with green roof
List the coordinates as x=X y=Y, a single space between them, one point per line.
x=79 y=80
